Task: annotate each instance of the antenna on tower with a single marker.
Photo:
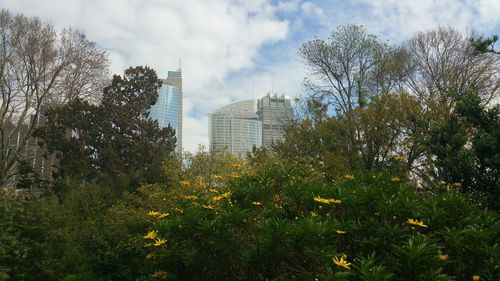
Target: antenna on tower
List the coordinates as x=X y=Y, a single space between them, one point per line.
x=272 y=88
x=180 y=64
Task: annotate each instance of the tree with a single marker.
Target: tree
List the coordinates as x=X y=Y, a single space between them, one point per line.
x=348 y=71
x=115 y=139
x=343 y=69
x=466 y=149
x=443 y=61
x=39 y=68
x=384 y=141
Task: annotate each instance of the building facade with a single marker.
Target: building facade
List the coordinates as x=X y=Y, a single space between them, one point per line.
x=274 y=112
x=168 y=107
x=235 y=128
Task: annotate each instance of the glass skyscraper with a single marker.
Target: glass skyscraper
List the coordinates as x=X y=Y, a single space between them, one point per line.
x=168 y=107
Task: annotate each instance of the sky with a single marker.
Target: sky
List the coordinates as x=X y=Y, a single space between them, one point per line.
x=233 y=50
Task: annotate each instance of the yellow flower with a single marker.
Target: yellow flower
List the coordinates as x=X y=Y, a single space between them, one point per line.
x=476 y=277
x=156 y=214
x=416 y=222
x=222 y=196
x=257 y=203
x=160 y=274
x=190 y=197
x=201 y=184
x=185 y=183
x=314 y=214
x=151 y=235
x=236 y=165
x=217 y=177
x=213 y=190
x=210 y=207
x=319 y=199
x=217 y=198
x=341 y=262
x=349 y=177
x=340 y=231
x=457 y=184
x=443 y=257
x=163 y=215
x=235 y=175
x=153 y=213
x=159 y=242
x=399 y=158
x=395 y=179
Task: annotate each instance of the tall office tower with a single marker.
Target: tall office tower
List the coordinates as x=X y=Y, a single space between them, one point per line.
x=168 y=108
x=235 y=128
x=174 y=78
x=273 y=112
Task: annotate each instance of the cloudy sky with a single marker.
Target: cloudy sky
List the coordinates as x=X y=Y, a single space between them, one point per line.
x=233 y=50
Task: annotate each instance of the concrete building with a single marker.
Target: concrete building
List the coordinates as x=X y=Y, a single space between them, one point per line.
x=240 y=126
x=235 y=128
x=273 y=111
x=168 y=108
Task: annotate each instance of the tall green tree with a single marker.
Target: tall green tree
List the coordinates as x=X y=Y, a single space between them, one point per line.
x=116 y=139
x=466 y=149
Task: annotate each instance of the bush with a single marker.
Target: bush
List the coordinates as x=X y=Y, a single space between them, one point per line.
x=278 y=227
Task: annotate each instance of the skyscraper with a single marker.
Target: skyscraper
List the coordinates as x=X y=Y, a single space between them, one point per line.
x=235 y=128
x=168 y=108
x=273 y=112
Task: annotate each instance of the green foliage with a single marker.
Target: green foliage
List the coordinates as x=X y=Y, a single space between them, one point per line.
x=274 y=229
x=467 y=149
x=272 y=222
x=378 y=137
x=30 y=248
x=484 y=45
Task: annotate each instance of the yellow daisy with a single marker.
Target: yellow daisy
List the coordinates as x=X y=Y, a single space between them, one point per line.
x=341 y=262
x=416 y=222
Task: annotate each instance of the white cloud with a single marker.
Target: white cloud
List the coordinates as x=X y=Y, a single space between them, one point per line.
x=213 y=38
x=196 y=132
x=401 y=19
x=312 y=10
x=288 y=6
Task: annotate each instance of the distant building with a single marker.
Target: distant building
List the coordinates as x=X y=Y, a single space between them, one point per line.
x=168 y=108
x=240 y=126
x=273 y=112
x=235 y=128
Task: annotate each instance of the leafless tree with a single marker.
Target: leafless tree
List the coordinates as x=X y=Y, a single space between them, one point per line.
x=443 y=60
x=39 y=68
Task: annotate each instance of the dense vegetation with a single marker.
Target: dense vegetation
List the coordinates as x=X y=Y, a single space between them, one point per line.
x=389 y=170
x=262 y=221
